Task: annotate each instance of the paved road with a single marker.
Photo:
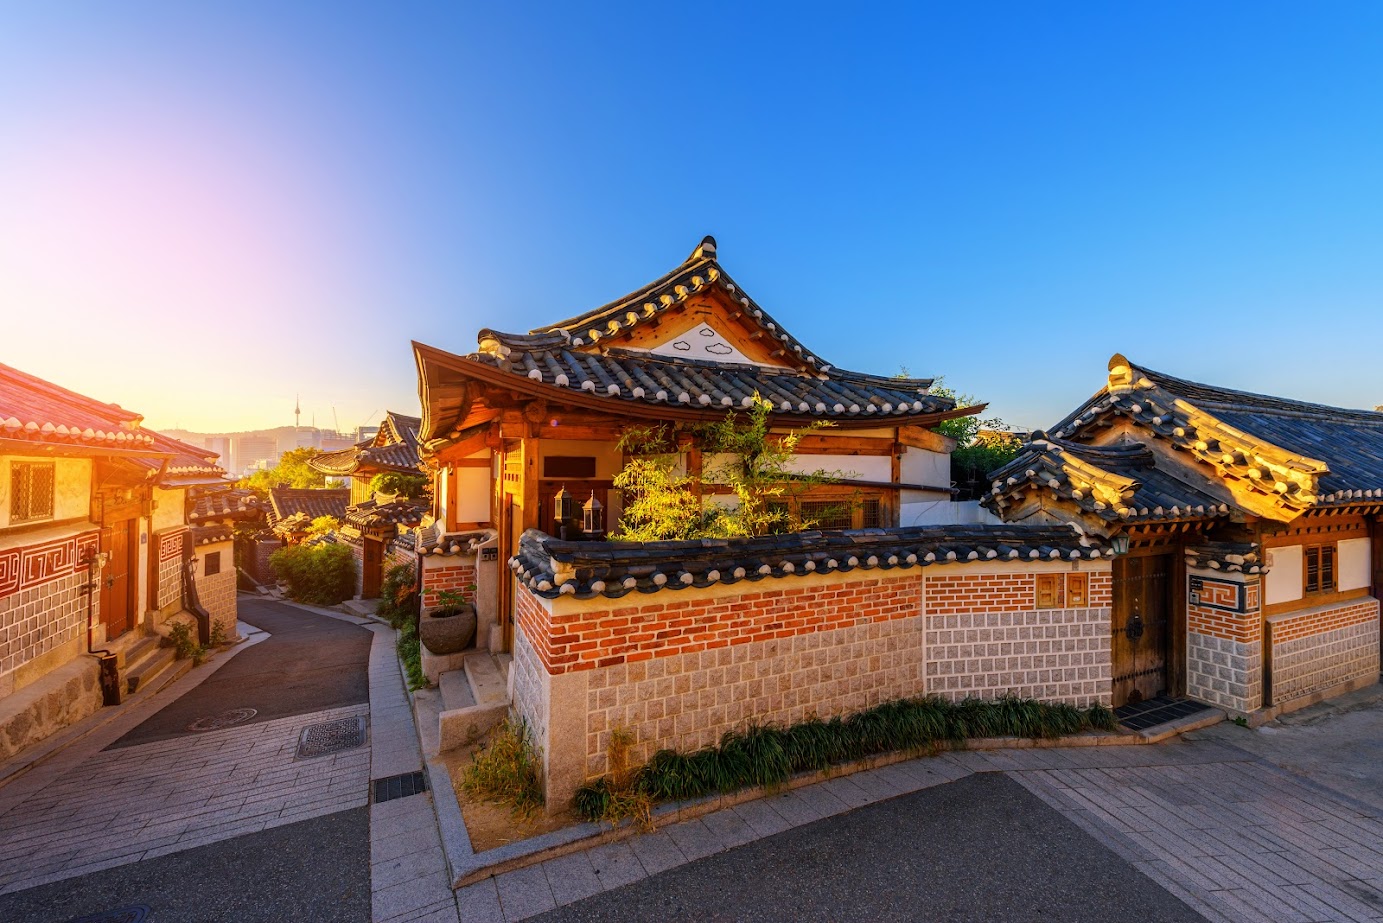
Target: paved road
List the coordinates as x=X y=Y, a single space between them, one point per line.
x=308 y=664
x=980 y=849
x=226 y=825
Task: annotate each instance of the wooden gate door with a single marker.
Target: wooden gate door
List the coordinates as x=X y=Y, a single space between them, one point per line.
x=1142 y=606
x=372 y=574
x=116 y=585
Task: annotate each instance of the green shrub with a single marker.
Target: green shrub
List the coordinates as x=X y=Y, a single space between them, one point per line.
x=184 y=645
x=398 y=595
x=410 y=650
x=320 y=574
x=505 y=769
x=766 y=755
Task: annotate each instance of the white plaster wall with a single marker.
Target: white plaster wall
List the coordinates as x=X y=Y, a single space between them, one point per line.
x=919 y=466
x=441 y=490
x=854 y=467
x=169 y=508
x=927 y=509
x=472 y=494
x=72 y=486
x=1352 y=565
x=1283 y=583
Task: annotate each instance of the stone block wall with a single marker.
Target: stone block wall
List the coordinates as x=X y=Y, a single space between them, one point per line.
x=1321 y=648
x=1224 y=640
x=680 y=668
x=984 y=638
x=217 y=592
x=43 y=606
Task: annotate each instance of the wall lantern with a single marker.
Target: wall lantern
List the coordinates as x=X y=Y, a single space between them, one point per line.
x=593 y=516
x=1120 y=543
x=564 y=510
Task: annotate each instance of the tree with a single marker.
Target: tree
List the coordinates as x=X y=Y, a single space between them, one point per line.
x=411 y=486
x=982 y=445
x=291 y=471
x=751 y=462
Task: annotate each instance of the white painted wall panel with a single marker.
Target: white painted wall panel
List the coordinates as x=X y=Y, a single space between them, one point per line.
x=1283 y=583
x=1352 y=568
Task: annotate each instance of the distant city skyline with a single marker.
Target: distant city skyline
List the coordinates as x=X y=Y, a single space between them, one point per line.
x=211 y=209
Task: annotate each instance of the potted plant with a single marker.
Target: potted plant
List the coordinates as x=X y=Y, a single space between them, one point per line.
x=450 y=627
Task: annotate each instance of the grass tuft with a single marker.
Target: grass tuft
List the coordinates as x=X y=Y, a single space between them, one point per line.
x=766 y=755
x=505 y=770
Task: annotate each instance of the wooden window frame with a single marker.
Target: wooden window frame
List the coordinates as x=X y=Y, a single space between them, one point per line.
x=207 y=560
x=1322 y=589
x=20 y=469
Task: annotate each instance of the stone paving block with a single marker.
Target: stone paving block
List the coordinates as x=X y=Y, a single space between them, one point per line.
x=872 y=782
x=729 y=828
x=572 y=877
x=415 y=865
x=794 y=808
x=407 y=897
x=694 y=839
x=524 y=893
x=760 y=815
x=658 y=852
x=616 y=865
x=821 y=801
x=849 y=791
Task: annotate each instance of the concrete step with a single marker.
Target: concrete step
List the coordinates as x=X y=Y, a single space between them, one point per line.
x=486 y=690
x=456 y=690
x=152 y=662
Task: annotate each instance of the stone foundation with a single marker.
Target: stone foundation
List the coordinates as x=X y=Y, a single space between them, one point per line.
x=1223 y=672
x=1321 y=648
x=60 y=698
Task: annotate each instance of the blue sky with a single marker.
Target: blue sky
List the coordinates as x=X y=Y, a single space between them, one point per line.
x=213 y=207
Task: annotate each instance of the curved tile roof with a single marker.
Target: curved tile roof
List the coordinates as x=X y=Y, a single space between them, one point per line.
x=35 y=410
x=551 y=568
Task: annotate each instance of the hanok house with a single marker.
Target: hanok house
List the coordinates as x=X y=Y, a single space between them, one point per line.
x=376 y=527
x=292 y=509
x=97 y=558
x=392 y=450
x=678 y=642
x=1252 y=527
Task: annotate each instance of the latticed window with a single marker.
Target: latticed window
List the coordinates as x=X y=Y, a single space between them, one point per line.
x=871 y=515
x=1320 y=568
x=31 y=491
x=827 y=514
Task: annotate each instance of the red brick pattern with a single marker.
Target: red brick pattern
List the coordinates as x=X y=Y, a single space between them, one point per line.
x=634 y=633
x=1244 y=627
x=30 y=566
x=1319 y=622
x=456 y=578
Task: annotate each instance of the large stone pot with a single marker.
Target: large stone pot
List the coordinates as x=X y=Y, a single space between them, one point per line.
x=447 y=631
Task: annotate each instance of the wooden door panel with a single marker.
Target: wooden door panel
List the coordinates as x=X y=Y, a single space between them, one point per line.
x=371 y=576
x=1140 y=627
x=116 y=580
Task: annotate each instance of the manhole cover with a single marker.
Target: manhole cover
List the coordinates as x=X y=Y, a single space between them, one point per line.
x=224 y=720
x=331 y=737
x=135 y=914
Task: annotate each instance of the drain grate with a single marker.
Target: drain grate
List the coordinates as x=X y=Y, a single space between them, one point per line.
x=391 y=787
x=330 y=737
x=224 y=720
x=135 y=914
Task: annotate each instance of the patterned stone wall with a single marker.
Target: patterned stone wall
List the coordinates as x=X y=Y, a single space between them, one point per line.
x=1322 y=648
x=42 y=603
x=169 y=574
x=1224 y=640
x=531 y=693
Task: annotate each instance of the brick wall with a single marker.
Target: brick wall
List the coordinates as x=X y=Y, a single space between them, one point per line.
x=42 y=603
x=1321 y=648
x=680 y=668
x=1224 y=640
x=455 y=573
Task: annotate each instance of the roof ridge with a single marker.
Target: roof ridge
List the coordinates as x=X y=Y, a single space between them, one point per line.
x=67 y=395
x=1263 y=403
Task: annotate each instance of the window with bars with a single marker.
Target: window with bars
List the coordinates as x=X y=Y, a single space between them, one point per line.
x=1319 y=568
x=212 y=565
x=871 y=515
x=827 y=514
x=31 y=491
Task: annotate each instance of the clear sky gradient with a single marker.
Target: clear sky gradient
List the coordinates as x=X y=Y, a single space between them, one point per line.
x=208 y=208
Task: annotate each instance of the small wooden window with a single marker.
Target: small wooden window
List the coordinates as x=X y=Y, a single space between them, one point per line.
x=1050 y=591
x=569 y=466
x=1077 y=591
x=827 y=514
x=31 y=491
x=1319 y=568
x=212 y=566
x=871 y=515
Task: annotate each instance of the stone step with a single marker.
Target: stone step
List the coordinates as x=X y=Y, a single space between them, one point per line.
x=456 y=690
x=139 y=672
x=487 y=681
